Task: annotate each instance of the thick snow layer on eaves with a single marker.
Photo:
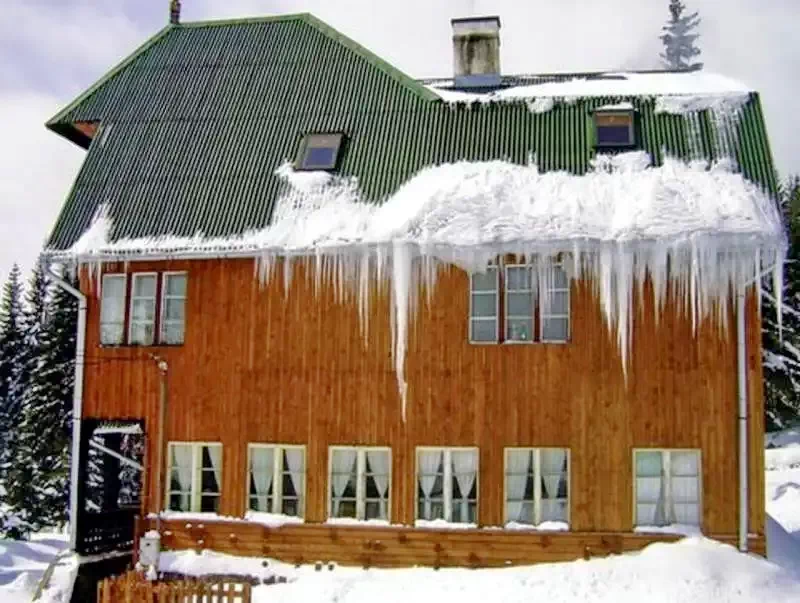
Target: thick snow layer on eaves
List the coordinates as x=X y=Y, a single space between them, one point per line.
x=695 y=84
x=704 y=229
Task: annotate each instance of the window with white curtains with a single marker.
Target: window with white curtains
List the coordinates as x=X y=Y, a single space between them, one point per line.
x=667 y=487
x=143 y=309
x=537 y=485
x=277 y=479
x=360 y=482
x=112 y=309
x=173 y=308
x=447 y=484
x=484 y=305
x=195 y=476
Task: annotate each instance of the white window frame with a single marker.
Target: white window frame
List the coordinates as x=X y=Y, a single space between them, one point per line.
x=537 y=481
x=163 y=311
x=124 y=277
x=448 y=477
x=543 y=316
x=195 y=494
x=507 y=316
x=361 y=480
x=496 y=318
x=275 y=501
x=134 y=298
x=666 y=460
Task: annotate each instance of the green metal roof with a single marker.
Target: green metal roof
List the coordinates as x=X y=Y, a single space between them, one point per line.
x=196 y=121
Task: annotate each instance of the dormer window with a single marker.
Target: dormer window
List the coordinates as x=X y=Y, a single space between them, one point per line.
x=320 y=152
x=614 y=126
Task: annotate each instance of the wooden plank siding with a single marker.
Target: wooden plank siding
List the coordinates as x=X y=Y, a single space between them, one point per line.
x=261 y=364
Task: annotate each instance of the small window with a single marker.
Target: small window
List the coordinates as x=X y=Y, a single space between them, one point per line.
x=195 y=477
x=143 y=309
x=360 y=482
x=484 y=296
x=519 y=304
x=554 y=306
x=112 y=309
x=614 y=128
x=320 y=152
x=173 y=308
x=277 y=479
x=667 y=487
x=537 y=485
x=447 y=484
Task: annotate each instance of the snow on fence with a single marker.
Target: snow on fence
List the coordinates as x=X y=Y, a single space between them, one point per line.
x=133 y=587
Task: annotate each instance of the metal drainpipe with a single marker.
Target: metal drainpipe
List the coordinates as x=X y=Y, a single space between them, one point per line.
x=741 y=363
x=77 y=399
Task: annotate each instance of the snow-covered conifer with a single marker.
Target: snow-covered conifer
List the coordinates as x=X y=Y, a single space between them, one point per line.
x=680 y=38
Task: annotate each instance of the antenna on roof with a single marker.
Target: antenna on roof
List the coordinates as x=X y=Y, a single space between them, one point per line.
x=175 y=12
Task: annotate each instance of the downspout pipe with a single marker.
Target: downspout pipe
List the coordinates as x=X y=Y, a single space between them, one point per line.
x=741 y=365
x=77 y=399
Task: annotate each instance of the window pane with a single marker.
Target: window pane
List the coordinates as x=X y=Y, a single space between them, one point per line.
x=144 y=285
x=554 y=510
x=142 y=334
x=648 y=463
x=143 y=309
x=484 y=330
x=484 y=305
x=614 y=135
x=179 y=502
x=112 y=334
x=174 y=309
x=685 y=463
x=176 y=285
x=518 y=278
x=688 y=514
x=559 y=276
x=555 y=329
x=519 y=329
x=519 y=304
x=343 y=483
x=322 y=157
x=112 y=310
x=556 y=302
x=209 y=504
x=172 y=333
x=486 y=281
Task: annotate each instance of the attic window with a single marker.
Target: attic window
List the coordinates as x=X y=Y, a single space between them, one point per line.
x=319 y=152
x=614 y=126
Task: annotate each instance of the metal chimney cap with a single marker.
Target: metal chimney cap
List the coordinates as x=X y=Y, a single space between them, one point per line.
x=486 y=19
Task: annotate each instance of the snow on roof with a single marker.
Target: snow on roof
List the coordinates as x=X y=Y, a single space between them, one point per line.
x=618 y=223
x=701 y=86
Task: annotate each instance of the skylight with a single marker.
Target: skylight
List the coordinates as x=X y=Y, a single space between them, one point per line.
x=614 y=127
x=319 y=152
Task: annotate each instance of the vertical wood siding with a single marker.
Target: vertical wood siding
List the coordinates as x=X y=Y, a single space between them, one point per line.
x=261 y=364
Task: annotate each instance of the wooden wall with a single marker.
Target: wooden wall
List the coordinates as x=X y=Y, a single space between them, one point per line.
x=264 y=365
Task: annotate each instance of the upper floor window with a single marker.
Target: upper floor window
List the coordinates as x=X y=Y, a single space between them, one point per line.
x=195 y=476
x=112 y=309
x=359 y=484
x=667 y=487
x=614 y=126
x=534 y=308
x=537 y=485
x=447 y=484
x=277 y=479
x=143 y=310
x=319 y=152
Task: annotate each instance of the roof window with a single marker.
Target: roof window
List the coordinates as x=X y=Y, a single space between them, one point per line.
x=319 y=152
x=614 y=126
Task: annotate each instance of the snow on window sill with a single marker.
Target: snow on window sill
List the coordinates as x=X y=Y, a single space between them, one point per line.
x=674 y=528
x=272 y=519
x=441 y=524
x=266 y=519
x=545 y=526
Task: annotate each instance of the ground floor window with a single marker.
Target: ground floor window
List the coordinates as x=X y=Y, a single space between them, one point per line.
x=667 y=487
x=195 y=476
x=276 y=481
x=537 y=485
x=447 y=484
x=360 y=479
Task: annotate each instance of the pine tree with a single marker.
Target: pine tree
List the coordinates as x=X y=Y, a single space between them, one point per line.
x=781 y=355
x=11 y=374
x=679 y=39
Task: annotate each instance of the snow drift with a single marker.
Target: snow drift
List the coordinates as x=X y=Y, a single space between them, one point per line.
x=703 y=229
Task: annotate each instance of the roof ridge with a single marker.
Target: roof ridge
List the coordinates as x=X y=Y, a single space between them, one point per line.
x=50 y=123
x=243 y=20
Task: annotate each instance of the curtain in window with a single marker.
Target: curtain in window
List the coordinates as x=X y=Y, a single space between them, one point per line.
x=465 y=469
x=262 y=463
x=685 y=478
x=294 y=462
x=554 y=478
x=379 y=464
x=343 y=466
x=517 y=468
x=112 y=310
x=650 y=489
x=215 y=455
x=182 y=465
x=429 y=461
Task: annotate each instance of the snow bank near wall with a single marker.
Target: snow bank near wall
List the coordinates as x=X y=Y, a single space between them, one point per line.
x=618 y=223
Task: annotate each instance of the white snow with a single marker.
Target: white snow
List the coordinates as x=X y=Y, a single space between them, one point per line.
x=545 y=526
x=265 y=519
x=441 y=524
x=23 y=563
x=626 y=106
x=622 y=221
x=675 y=528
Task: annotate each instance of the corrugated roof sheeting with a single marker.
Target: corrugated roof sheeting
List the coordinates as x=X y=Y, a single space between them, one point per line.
x=200 y=121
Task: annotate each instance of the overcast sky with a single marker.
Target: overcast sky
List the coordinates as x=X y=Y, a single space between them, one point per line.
x=51 y=50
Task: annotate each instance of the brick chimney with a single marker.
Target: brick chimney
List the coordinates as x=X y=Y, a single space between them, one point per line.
x=476 y=51
x=175 y=12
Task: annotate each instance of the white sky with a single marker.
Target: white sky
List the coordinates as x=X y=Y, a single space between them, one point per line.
x=50 y=50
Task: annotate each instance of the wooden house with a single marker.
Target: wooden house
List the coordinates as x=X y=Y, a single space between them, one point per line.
x=257 y=402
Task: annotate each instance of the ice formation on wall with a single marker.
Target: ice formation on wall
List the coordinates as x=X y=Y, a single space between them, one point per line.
x=702 y=229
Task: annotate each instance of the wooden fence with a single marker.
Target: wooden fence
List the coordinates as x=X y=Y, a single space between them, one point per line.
x=132 y=587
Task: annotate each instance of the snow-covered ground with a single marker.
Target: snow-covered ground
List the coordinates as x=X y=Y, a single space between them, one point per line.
x=693 y=570
x=22 y=565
